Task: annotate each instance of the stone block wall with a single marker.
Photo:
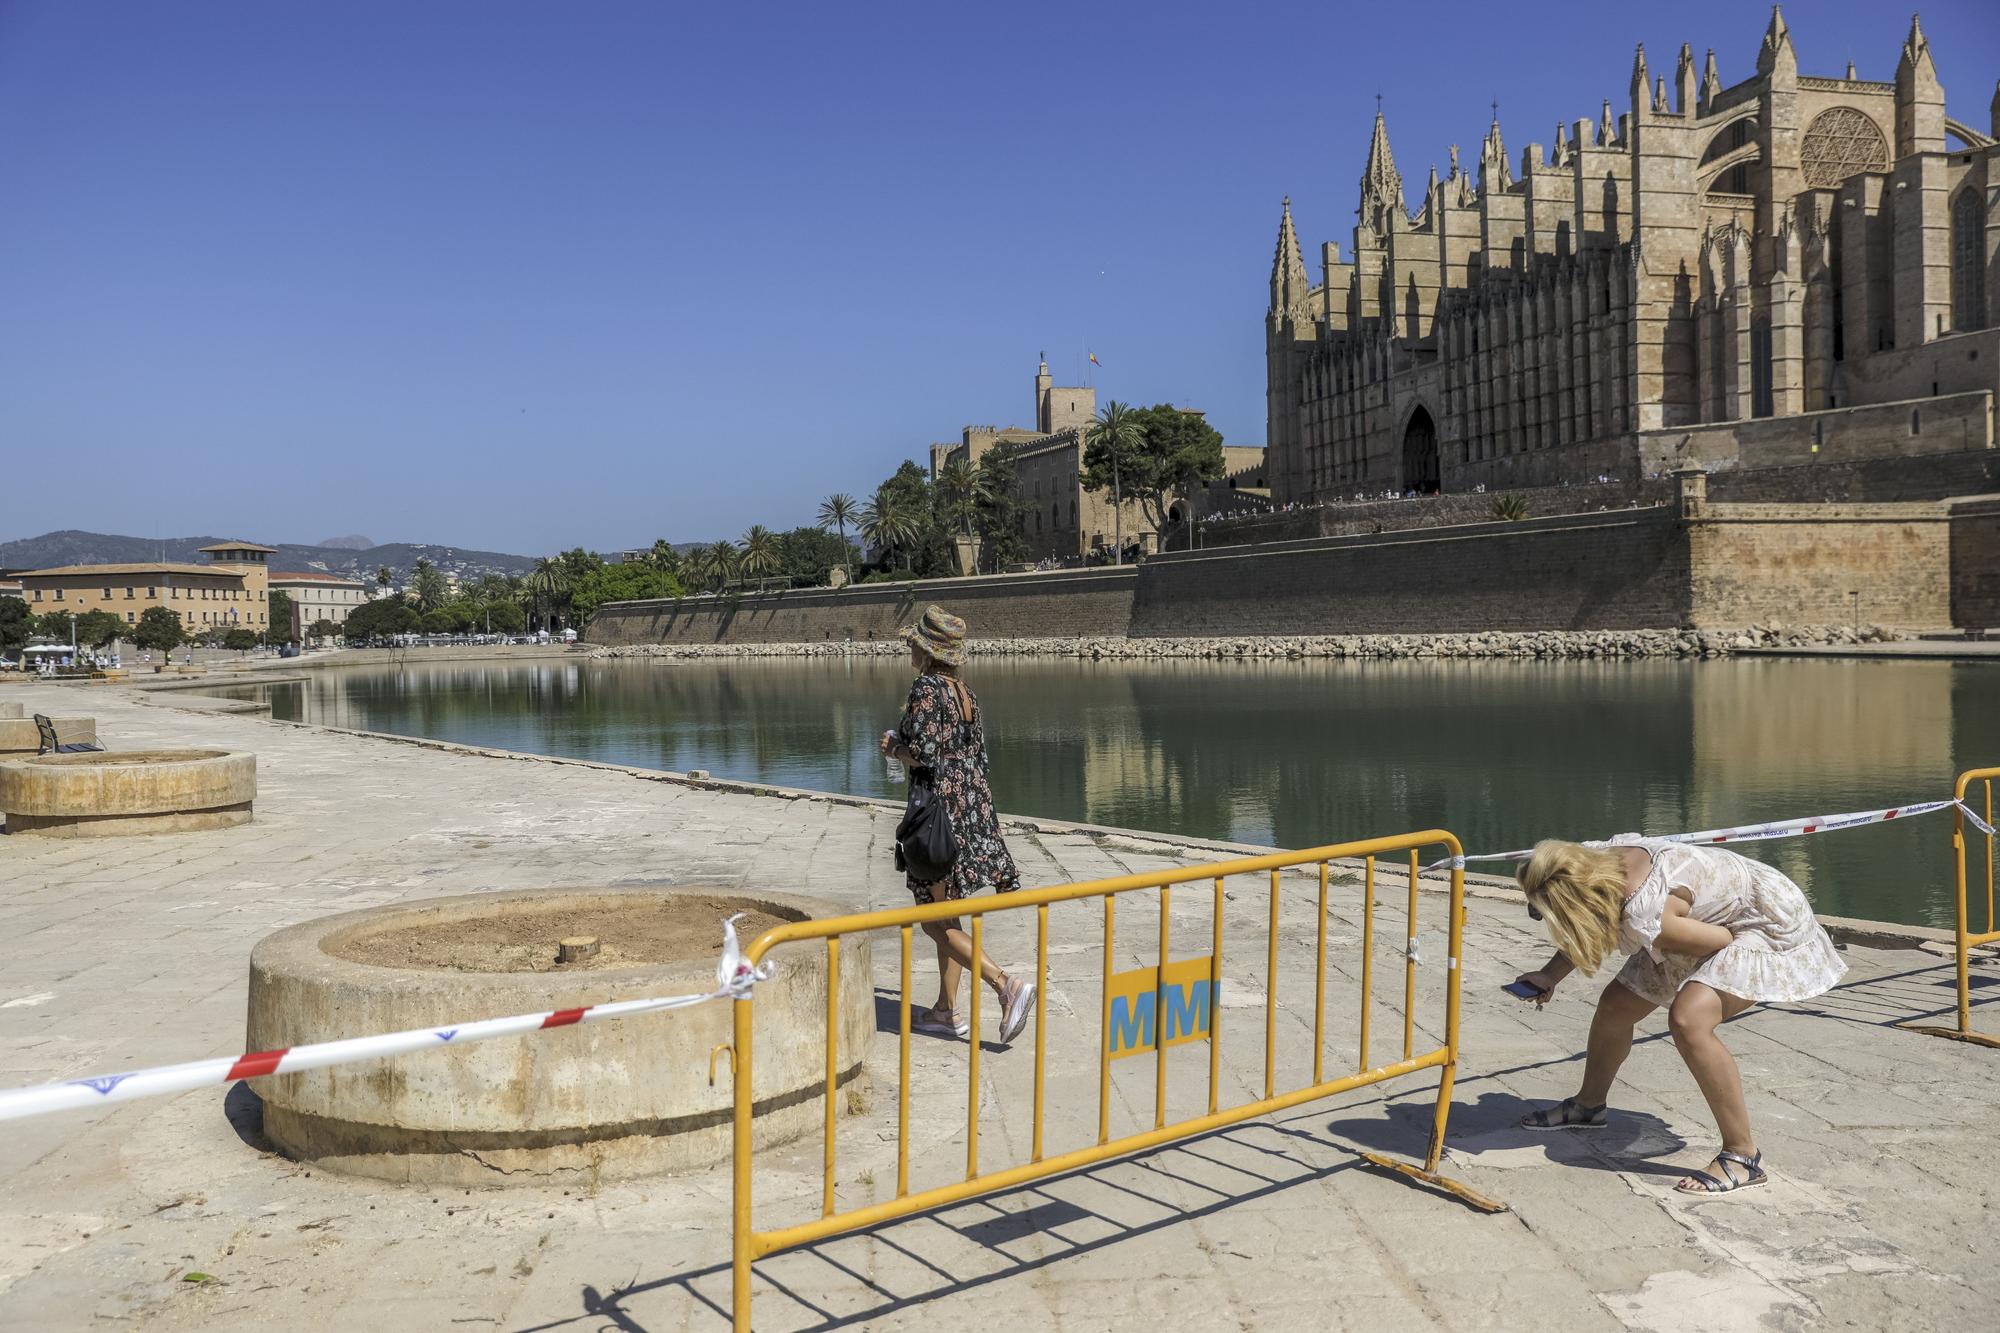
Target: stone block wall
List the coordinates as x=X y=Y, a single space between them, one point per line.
x=1078 y=603
x=1874 y=564
x=1975 y=563
x=1918 y=427
x=1615 y=570
x=1430 y=511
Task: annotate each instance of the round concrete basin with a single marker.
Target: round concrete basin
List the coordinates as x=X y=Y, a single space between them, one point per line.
x=125 y=792
x=616 y=1098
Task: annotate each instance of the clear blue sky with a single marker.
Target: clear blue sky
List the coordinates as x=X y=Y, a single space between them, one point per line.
x=526 y=276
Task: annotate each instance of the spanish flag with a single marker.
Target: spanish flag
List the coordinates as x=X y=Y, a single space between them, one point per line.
x=1093 y=359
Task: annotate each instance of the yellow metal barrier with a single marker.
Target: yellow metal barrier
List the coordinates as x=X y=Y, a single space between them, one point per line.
x=750 y=1245
x=1967 y=939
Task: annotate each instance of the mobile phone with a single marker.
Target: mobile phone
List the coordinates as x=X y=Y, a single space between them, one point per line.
x=1522 y=990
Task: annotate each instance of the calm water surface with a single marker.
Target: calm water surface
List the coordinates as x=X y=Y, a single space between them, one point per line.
x=1295 y=754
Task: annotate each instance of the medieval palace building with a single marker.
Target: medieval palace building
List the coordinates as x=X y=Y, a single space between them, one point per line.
x=1719 y=277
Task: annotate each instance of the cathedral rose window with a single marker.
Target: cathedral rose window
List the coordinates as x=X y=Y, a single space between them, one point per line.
x=1840 y=143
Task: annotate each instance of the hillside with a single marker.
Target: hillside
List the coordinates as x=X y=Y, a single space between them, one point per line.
x=71 y=547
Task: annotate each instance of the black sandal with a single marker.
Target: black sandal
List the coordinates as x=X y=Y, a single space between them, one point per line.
x=1566 y=1114
x=1754 y=1174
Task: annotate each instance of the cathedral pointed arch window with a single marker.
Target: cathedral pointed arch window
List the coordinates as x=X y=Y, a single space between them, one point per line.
x=1838 y=144
x=1968 y=261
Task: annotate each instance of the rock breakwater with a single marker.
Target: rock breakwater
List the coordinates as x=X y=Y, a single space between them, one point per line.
x=1537 y=644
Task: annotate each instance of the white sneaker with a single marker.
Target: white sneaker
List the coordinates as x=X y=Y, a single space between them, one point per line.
x=1014 y=1015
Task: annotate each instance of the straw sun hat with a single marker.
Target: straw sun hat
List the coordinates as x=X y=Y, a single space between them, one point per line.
x=940 y=634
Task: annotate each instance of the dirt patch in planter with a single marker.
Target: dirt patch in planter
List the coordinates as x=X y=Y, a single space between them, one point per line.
x=676 y=929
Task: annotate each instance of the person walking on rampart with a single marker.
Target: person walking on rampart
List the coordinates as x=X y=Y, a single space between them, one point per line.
x=1710 y=933
x=943 y=741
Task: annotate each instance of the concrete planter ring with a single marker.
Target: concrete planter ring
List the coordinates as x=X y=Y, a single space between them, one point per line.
x=127 y=792
x=592 y=1101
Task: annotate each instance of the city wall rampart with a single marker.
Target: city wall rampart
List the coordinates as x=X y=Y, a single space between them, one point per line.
x=1694 y=562
x=1060 y=604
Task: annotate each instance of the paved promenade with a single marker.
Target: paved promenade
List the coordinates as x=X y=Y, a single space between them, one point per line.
x=127 y=952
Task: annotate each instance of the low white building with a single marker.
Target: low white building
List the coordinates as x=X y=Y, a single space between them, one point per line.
x=317 y=597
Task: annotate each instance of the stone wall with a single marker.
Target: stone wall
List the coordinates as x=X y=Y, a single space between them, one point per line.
x=1975 y=563
x=1696 y=562
x=1820 y=565
x=1068 y=603
x=1954 y=423
x=1358 y=518
x=1615 y=570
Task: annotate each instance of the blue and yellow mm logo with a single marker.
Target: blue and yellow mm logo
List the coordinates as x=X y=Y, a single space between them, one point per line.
x=1147 y=1007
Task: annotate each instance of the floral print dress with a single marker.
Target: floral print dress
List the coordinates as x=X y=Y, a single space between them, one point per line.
x=955 y=753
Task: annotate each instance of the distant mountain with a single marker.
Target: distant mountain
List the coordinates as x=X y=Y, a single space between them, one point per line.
x=348 y=543
x=96 y=548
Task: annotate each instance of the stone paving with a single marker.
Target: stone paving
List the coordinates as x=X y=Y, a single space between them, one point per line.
x=133 y=951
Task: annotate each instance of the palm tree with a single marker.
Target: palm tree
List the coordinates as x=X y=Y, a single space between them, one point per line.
x=429 y=586
x=699 y=568
x=548 y=585
x=963 y=486
x=1115 y=431
x=760 y=551
x=665 y=557
x=724 y=562
x=837 y=511
x=887 y=522
x=382 y=577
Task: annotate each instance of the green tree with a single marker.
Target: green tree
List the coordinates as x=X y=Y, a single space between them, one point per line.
x=548 y=589
x=383 y=576
x=17 y=624
x=240 y=640
x=664 y=557
x=281 y=613
x=54 y=626
x=505 y=617
x=159 y=630
x=759 y=555
x=837 y=511
x=437 y=621
x=429 y=586
x=892 y=523
x=98 y=629
x=322 y=629
x=806 y=554
x=962 y=486
x=1182 y=452
x=379 y=619
x=1152 y=456
x=633 y=582
x=1001 y=518
x=1112 y=448
x=725 y=564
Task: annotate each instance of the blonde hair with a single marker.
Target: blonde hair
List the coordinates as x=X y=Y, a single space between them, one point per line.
x=1579 y=893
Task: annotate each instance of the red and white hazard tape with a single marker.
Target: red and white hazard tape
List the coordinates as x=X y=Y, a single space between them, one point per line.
x=1785 y=828
x=734 y=978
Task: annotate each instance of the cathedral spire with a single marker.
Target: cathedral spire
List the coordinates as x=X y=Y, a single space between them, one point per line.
x=1711 y=82
x=1493 y=172
x=1917 y=51
x=1607 y=127
x=1288 y=268
x=1777 y=48
x=1379 y=179
x=1685 y=87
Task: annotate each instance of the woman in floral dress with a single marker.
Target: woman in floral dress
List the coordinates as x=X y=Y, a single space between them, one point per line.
x=941 y=731
x=1710 y=933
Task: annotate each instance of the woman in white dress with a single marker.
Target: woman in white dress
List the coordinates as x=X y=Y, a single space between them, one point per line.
x=1710 y=933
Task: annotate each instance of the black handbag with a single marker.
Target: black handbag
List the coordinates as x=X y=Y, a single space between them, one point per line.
x=926 y=847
